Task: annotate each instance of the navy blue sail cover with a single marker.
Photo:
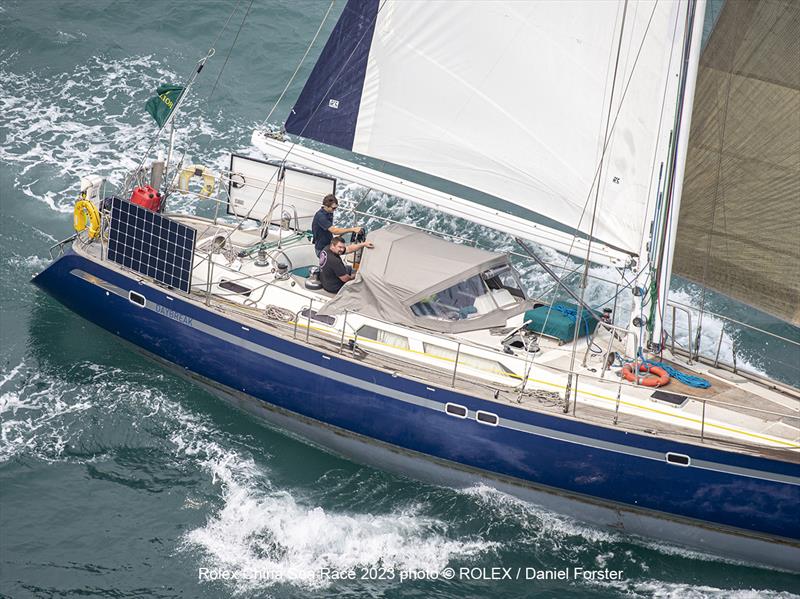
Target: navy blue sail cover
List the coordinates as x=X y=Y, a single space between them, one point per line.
x=327 y=109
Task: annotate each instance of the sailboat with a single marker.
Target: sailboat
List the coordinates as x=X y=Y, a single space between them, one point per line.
x=574 y=120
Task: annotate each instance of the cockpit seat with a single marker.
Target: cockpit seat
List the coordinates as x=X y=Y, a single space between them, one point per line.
x=298 y=257
x=491 y=300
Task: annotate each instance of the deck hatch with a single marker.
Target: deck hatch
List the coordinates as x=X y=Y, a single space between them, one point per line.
x=672 y=399
x=151 y=244
x=235 y=288
x=328 y=320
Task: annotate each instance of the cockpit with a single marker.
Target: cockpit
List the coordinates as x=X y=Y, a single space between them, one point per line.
x=417 y=279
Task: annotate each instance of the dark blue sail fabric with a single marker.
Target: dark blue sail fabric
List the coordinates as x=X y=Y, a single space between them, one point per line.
x=327 y=109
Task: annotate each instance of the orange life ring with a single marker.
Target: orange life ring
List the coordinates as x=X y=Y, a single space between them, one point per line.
x=647 y=381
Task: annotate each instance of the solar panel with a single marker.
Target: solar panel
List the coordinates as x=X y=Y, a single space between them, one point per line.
x=151 y=244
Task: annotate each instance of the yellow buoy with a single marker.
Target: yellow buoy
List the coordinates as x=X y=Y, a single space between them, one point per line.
x=86 y=214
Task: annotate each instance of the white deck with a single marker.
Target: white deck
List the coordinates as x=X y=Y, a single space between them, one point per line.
x=736 y=411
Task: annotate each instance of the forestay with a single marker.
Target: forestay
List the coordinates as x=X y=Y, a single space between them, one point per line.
x=514 y=99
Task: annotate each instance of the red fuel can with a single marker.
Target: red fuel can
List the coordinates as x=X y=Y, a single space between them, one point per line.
x=147 y=197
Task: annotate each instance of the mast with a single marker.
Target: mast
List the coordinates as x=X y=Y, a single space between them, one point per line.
x=664 y=257
x=358 y=98
x=540 y=162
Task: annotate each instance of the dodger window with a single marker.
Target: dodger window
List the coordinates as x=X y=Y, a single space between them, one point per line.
x=503 y=290
x=480 y=294
x=453 y=303
x=504 y=277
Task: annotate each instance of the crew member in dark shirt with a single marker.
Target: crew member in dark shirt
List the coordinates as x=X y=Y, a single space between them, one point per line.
x=333 y=273
x=322 y=227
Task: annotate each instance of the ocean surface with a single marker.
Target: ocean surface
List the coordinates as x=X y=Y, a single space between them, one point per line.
x=118 y=479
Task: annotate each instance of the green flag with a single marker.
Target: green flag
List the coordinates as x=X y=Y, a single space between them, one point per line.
x=161 y=105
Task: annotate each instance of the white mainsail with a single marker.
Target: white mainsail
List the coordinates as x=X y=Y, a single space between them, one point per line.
x=524 y=101
x=447 y=203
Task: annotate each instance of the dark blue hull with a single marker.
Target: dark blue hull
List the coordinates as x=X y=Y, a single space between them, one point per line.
x=723 y=496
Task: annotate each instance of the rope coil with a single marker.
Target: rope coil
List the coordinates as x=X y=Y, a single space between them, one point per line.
x=687 y=379
x=691 y=380
x=277 y=313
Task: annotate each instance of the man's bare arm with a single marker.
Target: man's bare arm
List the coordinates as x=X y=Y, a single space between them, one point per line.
x=334 y=230
x=357 y=246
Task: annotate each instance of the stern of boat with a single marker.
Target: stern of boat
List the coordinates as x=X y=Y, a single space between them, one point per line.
x=52 y=279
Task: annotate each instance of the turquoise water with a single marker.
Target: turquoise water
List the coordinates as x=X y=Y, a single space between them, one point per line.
x=118 y=479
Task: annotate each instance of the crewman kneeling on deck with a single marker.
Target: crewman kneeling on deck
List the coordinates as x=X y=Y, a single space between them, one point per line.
x=333 y=273
x=322 y=227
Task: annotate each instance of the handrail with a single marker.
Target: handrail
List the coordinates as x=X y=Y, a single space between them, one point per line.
x=733 y=320
x=612 y=328
x=209 y=282
x=344 y=330
x=583 y=375
x=60 y=245
x=568 y=270
x=455 y=365
x=693 y=353
x=463 y=343
x=308 y=314
x=483 y=348
x=346 y=325
x=683 y=309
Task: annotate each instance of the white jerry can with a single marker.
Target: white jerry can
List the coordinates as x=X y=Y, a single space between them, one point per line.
x=92 y=187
